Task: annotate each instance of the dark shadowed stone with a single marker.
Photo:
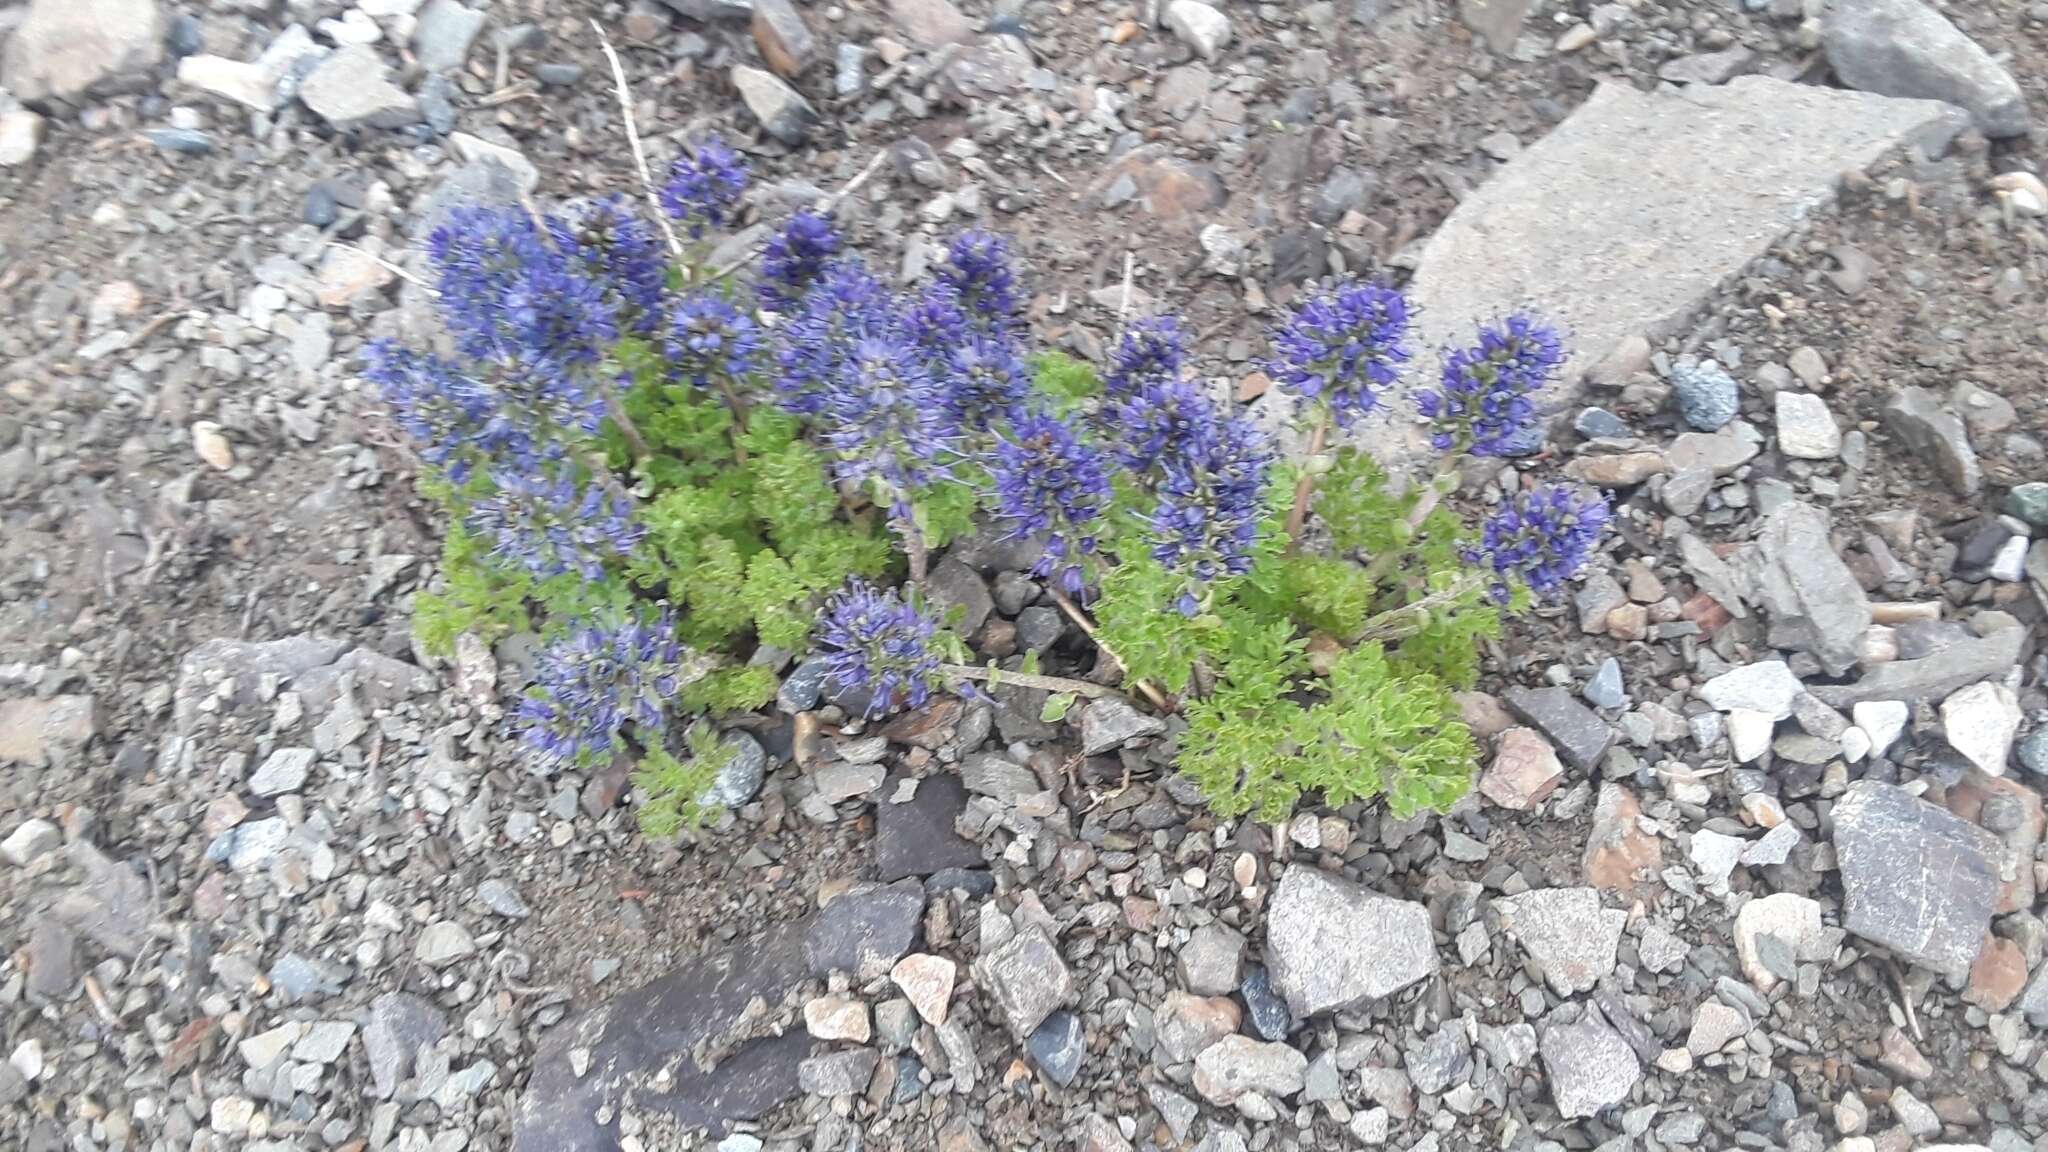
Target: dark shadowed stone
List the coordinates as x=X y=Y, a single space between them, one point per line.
x=1058 y=1046
x=1917 y=879
x=916 y=837
x=1813 y=602
x=1579 y=734
x=399 y=1023
x=956 y=587
x=867 y=930
x=639 y=1044
x=1265 y=1011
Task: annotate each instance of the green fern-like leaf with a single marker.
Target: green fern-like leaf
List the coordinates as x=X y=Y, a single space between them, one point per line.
x=475 y=595
x=778 y=601
x=1064 y=381
x=737 y=688
x=1354 y=505
x=671 y=787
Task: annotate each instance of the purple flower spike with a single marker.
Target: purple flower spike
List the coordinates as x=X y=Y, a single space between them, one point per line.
x=1151 y=352
x=885 y=419
x=844 y=309
x=1486 y=405
x=986 y=381
x=612 y=246
x=591 y=683
x=1158 y=421
x=446 y=412
x=979 y=272
x=704 y=190
x=549 y=524
x=1211 y=502
x=795 y=258
x=1542 y=537
x=1049 y=482
x=710 y=340
x=1343 y=347
x=875 y=642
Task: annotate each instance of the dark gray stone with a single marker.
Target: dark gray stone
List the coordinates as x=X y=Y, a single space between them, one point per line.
x=1039 y=628
x=399 y=1024
x=633 y=1042
x=1578 y=734
x=1932 y=431
x=2033 y=752
x=112 y=908
x=1441 y=1060
x=1605 y=689
x=1264 y=1009
x=51 y=958
x=1905 y=48
x=1599 y=423
x=1810 y=597
x=916 y=837
x=1026 y=978
x=1112 y=722
x=1917 y=879
x=1057 y=1046
x=803 y=687
x=299 y=980
x=960 y=595
x=844 y=1073
x=181 y=141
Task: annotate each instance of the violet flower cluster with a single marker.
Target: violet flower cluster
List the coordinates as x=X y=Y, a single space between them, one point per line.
x=593 y=681
x=1486 y=403
x=612 y=247
x=1049 y=482
x=794 y=258
x=449 y=414
x=878 y=643
x=1211 y=502
x=1343 y=347
x=1151 y=351
x=1541 y=538
x=703 y=190
x=515 y=300
x=978 y=270
x=710 y=340
x=887 y=421
x=549 y=524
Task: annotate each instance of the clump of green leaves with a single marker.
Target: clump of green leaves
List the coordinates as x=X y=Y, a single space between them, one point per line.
x=1325 y=669
x=674 y=787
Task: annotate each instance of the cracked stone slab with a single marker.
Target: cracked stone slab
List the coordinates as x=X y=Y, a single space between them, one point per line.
x=639 y=1046
x=1332 y=943
x=1917 y=879
x=1625 y=219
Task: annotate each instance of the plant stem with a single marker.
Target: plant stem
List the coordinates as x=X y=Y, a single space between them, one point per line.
x=1400 y=623
x=996 y=676
x=1426 y=503
x=625 y=94
x=1145 y=688
x=914 y=547
x=739 y=418
x=1297 y=516
x=627 y=428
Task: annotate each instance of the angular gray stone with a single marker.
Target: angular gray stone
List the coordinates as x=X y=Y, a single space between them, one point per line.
x=636 y=1046
x=866 y=929
x=1332 y=943
x=1932 y=431
x=1768 y=687
x=1810 y=597
x=353 y=89
x=782 y=110
x=958 y=589
x=1441 y=1060
x=1237 y=1065
x=1566 y=932
x=1631 y=214
x=1917 y=879
x=399 y=1024
x=1905 y=48
x=1026 y=978
x=1577 y=732
x=1706 y=395
x=282 y=771
x=1112 y=722
x=1962 y=663
x=844 y=1073
x=446 y=29
x=1589 y=1065
x=1497 y=22
x=1211 y=959
x=999 y=777
x=917 y=837
x=64 y=48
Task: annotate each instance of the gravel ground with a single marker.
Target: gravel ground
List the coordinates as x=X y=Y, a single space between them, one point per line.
x=1755 y=862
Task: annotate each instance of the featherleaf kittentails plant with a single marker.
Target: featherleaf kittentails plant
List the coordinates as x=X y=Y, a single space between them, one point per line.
x=681 y=481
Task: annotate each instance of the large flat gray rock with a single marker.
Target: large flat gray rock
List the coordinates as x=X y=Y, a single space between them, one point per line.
x=1628 y=216
x=1917 y=879
x=1332 y=943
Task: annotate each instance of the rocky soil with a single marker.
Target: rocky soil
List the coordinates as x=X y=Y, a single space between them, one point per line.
x=1755 y=858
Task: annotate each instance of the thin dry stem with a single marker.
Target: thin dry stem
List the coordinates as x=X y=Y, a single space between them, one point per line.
x=995 y=676
x=668 y=232
x=1297 y=516
x=388 y=266
x=1145 y=688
